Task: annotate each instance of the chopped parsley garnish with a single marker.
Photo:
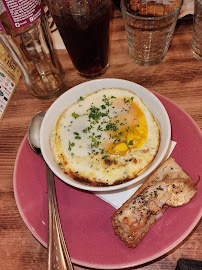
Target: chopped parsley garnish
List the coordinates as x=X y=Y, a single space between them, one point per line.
x=100 y=128
x=100 y=118
x=127 y=129
x=75 y=115
x=96 y=114
x=71 y=145
x=106 y=100
x=130 y=142
x=116 y=140
x=126 y=100
x=111 y=126
x=77 y=136
x=87 y=129
x=95 y=142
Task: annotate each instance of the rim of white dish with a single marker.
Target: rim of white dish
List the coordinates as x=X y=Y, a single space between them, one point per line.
x=73 y=94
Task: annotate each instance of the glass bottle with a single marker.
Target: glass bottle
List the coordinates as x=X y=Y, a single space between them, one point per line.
x=28 y=40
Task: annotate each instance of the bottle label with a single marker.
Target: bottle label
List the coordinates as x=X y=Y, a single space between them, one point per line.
x=23 y=12
x=9 y=77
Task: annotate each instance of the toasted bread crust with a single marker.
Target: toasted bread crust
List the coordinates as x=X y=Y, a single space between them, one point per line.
x=168 y=186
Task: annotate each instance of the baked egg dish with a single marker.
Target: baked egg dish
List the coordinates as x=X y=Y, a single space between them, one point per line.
x=105 y=138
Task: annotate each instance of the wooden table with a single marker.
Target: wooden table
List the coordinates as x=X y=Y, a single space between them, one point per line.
x=178 y=77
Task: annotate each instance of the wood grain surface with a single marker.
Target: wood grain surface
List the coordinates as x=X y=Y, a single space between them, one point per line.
x=178 y=77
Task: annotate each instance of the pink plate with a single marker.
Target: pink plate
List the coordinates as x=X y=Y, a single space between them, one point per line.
x=86 y=218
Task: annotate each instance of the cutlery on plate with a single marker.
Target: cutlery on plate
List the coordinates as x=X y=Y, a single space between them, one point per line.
x=58 y=256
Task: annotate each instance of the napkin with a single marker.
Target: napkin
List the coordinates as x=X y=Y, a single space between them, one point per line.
x=186 y=264
x=117 y=198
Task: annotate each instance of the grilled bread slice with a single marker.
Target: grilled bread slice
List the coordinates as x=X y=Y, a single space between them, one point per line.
x=168 y=186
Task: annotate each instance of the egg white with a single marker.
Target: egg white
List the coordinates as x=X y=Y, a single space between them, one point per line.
x=80 y=137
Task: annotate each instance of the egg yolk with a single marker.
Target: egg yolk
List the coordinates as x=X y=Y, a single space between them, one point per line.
x=121 y=147
x=132 y=131
x=137 y=137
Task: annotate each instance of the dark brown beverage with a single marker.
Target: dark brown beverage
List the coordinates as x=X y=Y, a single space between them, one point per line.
x=85 y=34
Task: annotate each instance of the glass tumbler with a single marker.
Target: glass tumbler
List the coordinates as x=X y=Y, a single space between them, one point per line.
x=84 y=28
x=149 y=26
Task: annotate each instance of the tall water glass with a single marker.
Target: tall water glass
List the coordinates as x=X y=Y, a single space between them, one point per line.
x=149 y=28
x=84 y=28
x=197 y=30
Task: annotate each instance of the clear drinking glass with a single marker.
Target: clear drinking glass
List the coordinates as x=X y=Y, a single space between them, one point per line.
x=149 y=27
x=197 y=30
x=84 y=28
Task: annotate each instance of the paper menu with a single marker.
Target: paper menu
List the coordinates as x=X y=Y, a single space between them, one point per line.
x=9 y=77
